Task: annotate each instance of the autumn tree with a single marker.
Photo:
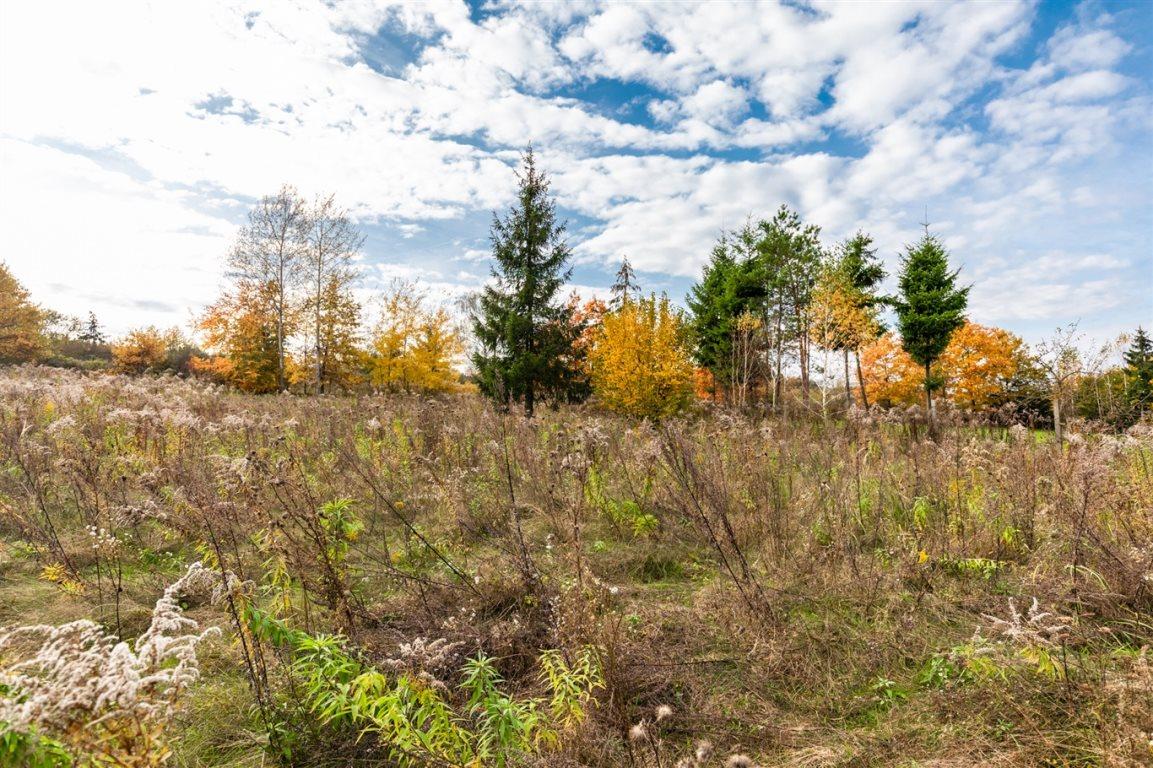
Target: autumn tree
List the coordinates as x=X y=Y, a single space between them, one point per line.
x=978 y=363
x=142 y=350
x=976 y=370
x=332 y=242
x=413 y=348
x=21 y=321
x=930 y=307
x=843 y=317
x=891 y=375
x=269 y=260
x=395 y=337
x=525 y=339
x=240 y=335
x=438 y=345
x=585 y=318
x=641 y=361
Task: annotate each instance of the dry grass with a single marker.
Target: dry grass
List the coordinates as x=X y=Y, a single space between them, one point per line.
x=800 y=592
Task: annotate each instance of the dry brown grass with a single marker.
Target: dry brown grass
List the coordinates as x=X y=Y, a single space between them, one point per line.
x=805 y=593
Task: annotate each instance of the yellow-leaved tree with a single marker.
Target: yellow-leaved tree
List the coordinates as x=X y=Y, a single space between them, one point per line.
x=21 y=322
x=438 y=343
x=641 y=359
x=842 y=318
x=413 y=348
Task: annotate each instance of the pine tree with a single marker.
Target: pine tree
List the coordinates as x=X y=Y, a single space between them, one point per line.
x=789 y=255
x=1139 y=371
x=625 y=287
x=858 y=259
x=525 y=335
x=930 y=307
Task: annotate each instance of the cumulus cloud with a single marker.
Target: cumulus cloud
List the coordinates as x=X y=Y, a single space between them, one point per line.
x=153 y=126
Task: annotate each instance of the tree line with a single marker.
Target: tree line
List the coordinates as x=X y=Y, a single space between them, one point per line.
x=778 y=320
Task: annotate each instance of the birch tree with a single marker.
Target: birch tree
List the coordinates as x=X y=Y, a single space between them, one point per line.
x=270 y=256
x=333 y=242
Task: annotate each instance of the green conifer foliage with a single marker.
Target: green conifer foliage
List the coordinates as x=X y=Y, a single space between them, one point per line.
x=525 y=334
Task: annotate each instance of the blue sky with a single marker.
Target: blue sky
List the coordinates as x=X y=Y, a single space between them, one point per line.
x=134 y=136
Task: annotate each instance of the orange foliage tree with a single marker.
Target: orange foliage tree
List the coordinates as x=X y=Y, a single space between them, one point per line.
x=140 y=351
x=240 y=333
x=977 y=364
x=891 y=376
x=641 y=363
x=586 y=319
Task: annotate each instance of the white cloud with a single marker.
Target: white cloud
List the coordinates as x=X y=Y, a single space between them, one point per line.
x=860 y=115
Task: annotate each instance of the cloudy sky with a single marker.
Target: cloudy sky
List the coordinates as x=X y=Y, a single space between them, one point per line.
x=134 y=137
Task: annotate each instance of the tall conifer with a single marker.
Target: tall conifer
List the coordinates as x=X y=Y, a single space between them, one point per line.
x=525 y=334
x=930 y=306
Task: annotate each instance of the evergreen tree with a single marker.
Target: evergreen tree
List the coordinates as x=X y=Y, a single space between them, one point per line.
x=712 y=324
x=92 y=333
x=930 y=307
x=625 y=286
x=1139 y=371
x=525 y=335
x=858 y=259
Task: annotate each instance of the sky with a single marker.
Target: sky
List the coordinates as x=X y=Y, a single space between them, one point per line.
x=135 y=136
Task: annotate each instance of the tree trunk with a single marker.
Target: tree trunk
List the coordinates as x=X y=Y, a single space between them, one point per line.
x=778 y=391
x=803 y=354
x=929 y=405
x=848 y=385
x=280 y=322
x=280 y=343
x=319 y=291
x=529 y=400
x=1057 y=430
x=861 y=380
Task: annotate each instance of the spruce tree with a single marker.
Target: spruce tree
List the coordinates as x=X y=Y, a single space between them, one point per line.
x=712 y=322
x=930 y=307
x=525 y=334
x=625 y=287
x=1139 y=371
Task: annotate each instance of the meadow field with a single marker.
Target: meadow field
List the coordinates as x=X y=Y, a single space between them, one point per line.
x=406 y=580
